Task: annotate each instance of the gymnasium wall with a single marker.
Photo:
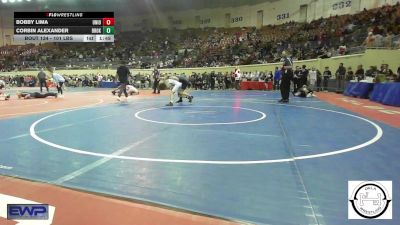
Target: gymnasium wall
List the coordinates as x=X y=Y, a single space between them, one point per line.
x=372 y=57
x=274 y=12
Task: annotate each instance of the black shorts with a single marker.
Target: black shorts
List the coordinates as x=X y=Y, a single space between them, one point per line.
x=36 y=95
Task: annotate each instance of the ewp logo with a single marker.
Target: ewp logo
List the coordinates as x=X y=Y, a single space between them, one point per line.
x=27 y=211
x=6 y=200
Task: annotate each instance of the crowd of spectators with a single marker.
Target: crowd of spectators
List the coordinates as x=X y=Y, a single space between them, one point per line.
x=312 y=77
x=162 y=48
x=75 y=80
x=20 y=80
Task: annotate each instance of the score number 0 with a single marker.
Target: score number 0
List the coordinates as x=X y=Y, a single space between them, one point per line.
x=108 y=21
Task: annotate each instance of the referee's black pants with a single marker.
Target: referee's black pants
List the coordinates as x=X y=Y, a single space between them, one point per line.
x=42 y=83
x=156 y=87
x=285 y=89
x=122 y=89
x=285 y=84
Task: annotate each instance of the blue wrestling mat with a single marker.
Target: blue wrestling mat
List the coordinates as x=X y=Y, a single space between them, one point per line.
x=236 y=155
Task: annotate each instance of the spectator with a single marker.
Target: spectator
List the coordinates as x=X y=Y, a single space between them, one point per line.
x=369 y=41
x=304 y=75
x=360 y=73
x=238 y=78
x=312 y=78
x=326 y=76
x=398 y=74
x=386 y=72
x=277 y=78
x=297 y=78
x=227 y=80
x=378 y=40
x=372 y=72
x=340 y=78
x=319 y=80
x=350 y=74
x=388 y=40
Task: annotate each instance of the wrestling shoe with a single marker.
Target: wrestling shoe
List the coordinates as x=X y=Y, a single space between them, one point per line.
x=179 y=101
x=113 y=92
x=169 y=104
x=191 y=99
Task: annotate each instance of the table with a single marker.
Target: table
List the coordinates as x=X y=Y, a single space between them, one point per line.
x=386 y=93
x=358 y=89
x=108 y=84
x=253 y=85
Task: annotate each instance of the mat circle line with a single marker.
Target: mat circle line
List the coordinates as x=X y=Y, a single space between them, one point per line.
x=263 y=116
x=379 y=134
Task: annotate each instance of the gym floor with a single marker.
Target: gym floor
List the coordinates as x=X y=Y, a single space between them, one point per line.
x=237 y=156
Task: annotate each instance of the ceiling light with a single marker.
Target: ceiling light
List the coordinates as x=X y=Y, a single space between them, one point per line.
x=4 y=1
x=11 y=1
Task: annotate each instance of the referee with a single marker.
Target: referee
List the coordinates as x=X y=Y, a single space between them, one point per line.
x=156 y=77
x=42 y=80
x=123 y=73
x=287 y=75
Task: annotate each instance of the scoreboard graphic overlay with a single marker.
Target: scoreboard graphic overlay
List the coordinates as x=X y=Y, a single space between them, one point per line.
x=64 y=26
